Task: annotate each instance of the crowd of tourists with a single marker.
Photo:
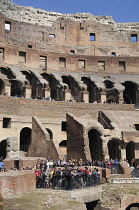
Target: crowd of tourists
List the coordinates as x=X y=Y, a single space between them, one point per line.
x=72 y=174
x=67 y=178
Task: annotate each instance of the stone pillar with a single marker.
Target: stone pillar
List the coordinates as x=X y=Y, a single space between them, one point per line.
x=121 y=99
x=47 y=92
x=67 y=94
x=27 y=91
x=12 y=147
x=105 y=152
x=86 y=96
x=123 y=154
x=136 y=154
x=103 y=97
x=8 y=90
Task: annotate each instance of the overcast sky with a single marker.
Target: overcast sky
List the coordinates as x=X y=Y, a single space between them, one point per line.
x=120 y=10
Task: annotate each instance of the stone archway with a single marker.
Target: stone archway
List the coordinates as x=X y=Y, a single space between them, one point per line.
x=95 y=145
x=74 y=87
x=130 y=151
x=3 y=145
x=16 y=88
x=94 y=92
x=25 y=140
x=114 y=149
x=130 y=92
x=63 y=146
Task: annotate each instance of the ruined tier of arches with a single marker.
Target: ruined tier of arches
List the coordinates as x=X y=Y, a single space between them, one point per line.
x=69 y=87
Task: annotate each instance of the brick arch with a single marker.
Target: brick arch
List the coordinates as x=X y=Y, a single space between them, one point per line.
x=95 y=144
x=96 y=128
x=128 y=200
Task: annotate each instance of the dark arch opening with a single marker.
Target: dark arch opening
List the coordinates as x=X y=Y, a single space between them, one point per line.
x=112 y=96
x=2 y=87
x=94 y=93
x=16 y=88
x=74 y=87
x=130 y=151
x=63 y=143
x=134 y=206
x=92 y=205
x=108 y=84
x=130 y=92
x=136 y=127
x=50 y=133
x=3 y=145
x=25 y=140
x=95 y=145
x=56 y=88
x=37 y=90
x=114 y=150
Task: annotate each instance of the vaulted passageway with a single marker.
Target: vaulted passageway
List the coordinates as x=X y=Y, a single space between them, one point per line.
x=114 y=149
x=25 y=140
x=130 y=93
x=95 y=145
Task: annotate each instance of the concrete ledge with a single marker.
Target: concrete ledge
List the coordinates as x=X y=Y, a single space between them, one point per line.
x=125 y=180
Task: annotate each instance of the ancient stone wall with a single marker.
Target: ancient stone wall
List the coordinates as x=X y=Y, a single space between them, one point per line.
x=75 y=143
x=42 y=145
x=17 y=182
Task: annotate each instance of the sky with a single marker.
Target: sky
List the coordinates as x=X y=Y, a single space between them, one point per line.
x=120 y=10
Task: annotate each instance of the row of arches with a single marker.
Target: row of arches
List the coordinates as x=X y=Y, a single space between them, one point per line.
x=114 y=147
x=56 y=84
x=25 y=141
x=95 y=145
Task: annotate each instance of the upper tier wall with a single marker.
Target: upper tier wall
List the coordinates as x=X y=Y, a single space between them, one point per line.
x=28 y=36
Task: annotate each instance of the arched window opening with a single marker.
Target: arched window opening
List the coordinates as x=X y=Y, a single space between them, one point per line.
x=3 y=145
x=50 y=133
x=63 y=147
x=136 y=127
x=95 y=145
x=63 y=143
x=114 y=149
x=130 y=151
x=25 y=140
x=130 y=92
x=16 y=88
